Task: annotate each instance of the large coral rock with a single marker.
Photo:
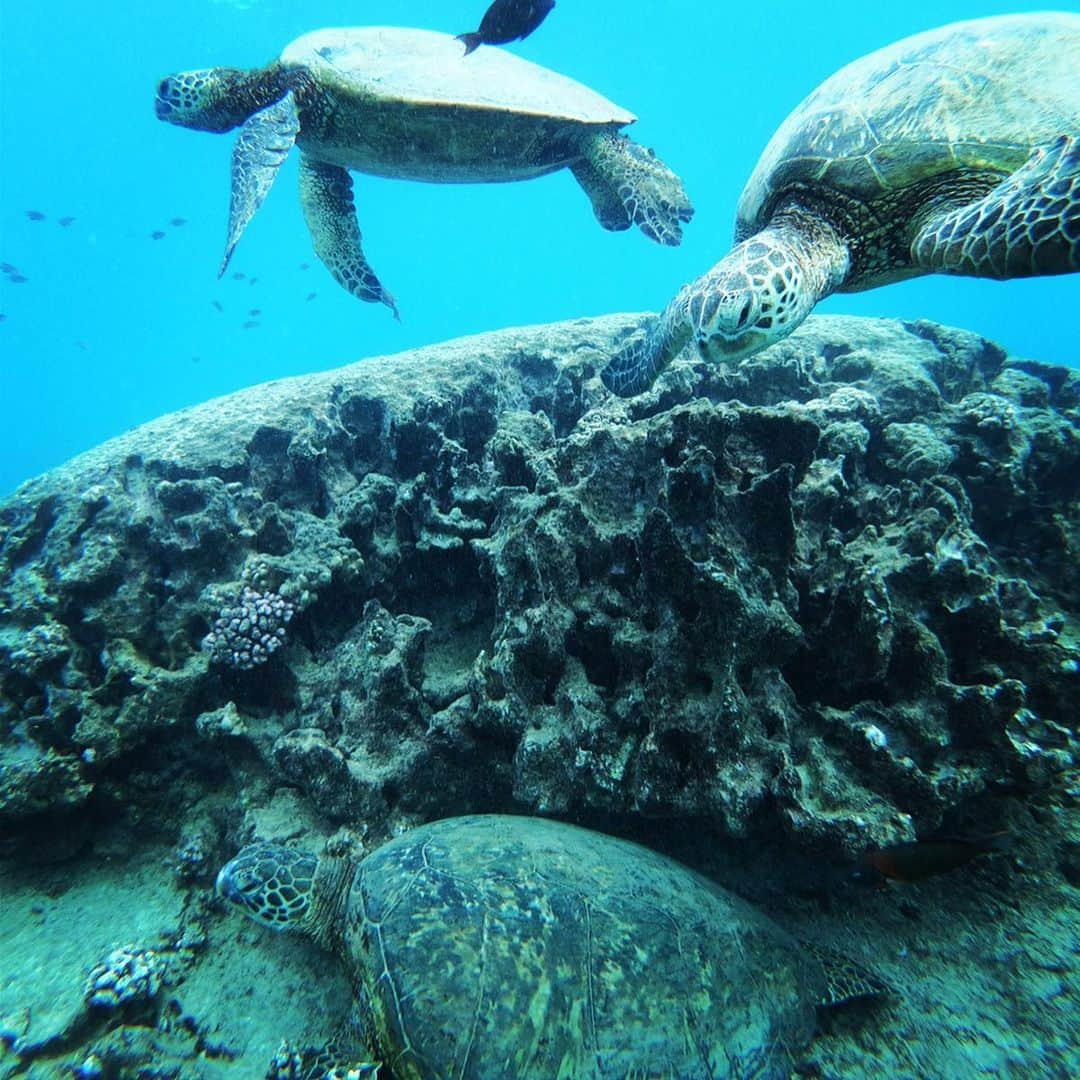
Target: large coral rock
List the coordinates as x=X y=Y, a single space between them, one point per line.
x=832 y=591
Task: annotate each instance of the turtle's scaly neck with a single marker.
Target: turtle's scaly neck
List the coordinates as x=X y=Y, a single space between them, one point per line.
x=816 y=244
x=250 y=92
x=333 y=879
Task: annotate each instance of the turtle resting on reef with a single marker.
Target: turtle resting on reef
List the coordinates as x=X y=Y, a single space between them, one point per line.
x=494 y=946
x=955 y=151
x=404 y=103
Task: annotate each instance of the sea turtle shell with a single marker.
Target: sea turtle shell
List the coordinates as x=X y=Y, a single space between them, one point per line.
x=977 y=95
x=520 y=947
x=408 y=103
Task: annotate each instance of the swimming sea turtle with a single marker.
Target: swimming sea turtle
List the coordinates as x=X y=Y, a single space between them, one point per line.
x=954 y=151
x=498 y=946
x=404 y=103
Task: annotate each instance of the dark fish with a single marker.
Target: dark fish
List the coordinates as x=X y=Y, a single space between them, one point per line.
x=251 y=281
x=217 y=305
x=35 y=215
x=925 y=858
x=239 y=275
x=66 y=221
x=305 y=266
x=82 y=345
x=3 y=317
x=251 y=324
x=157 y=234
x=176 y=222
x=255 y=312
x=507 y=20
x=17 y=279
x=7 y=268
x=311 y=296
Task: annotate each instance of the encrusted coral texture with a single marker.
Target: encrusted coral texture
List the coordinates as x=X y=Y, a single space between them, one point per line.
x=832 y=592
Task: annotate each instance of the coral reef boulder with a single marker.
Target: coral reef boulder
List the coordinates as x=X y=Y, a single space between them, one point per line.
x=832 y=591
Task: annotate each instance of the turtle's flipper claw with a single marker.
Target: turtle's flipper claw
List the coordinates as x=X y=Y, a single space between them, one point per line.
x=261 y=147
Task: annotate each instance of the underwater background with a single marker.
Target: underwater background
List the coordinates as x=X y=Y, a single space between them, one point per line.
x=808 y=624
x=118 y=320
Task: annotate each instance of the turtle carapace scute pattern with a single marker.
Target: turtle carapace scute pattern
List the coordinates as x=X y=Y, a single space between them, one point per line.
x=495 y=945
x=401 y=103
x=954 y=151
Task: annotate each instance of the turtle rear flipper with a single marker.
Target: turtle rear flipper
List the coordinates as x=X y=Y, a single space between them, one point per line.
x=652 y=196
x=1026 y=226
x=264 y=142
x=846 y=981
x=326 y=195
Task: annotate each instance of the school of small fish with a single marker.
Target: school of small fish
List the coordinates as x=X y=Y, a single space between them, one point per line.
x=14 y=276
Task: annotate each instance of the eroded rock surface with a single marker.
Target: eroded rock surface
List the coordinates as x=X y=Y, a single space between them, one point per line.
x=833 y=591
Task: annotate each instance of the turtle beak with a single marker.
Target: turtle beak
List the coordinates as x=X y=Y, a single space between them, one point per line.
x=225 y=886
x=162 y=106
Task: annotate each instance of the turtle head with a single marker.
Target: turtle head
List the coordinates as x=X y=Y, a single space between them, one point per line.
x=765 y=287
x=272 y=884
x=218 y=99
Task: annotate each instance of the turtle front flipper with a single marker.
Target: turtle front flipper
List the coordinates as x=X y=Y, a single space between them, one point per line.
x=634 y=368
x=326 y=194
x=261 y=147
x=606 y=202
x=1026 y=226
x=652 y=196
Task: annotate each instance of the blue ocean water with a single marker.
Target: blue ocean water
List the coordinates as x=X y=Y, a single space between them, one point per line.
x=121 y=317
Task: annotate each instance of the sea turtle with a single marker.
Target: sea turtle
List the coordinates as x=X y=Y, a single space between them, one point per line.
x=497 y=946
x=405 y=103
x=955 y=151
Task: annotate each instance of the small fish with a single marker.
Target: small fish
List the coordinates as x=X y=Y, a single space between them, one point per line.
x=35 y=215
x=17 y=279
x=507 y=20
x=251 y=324
x=255 y=312
x=82 y=345
x=176 y=222
x=157 y=234
x=216 y=305
x=311 y=296
x=305 y=266
x=7 y=268
x=64 y=222
x=926 y=858
x=3 y=317
x=239 y=275
x=251 y=281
